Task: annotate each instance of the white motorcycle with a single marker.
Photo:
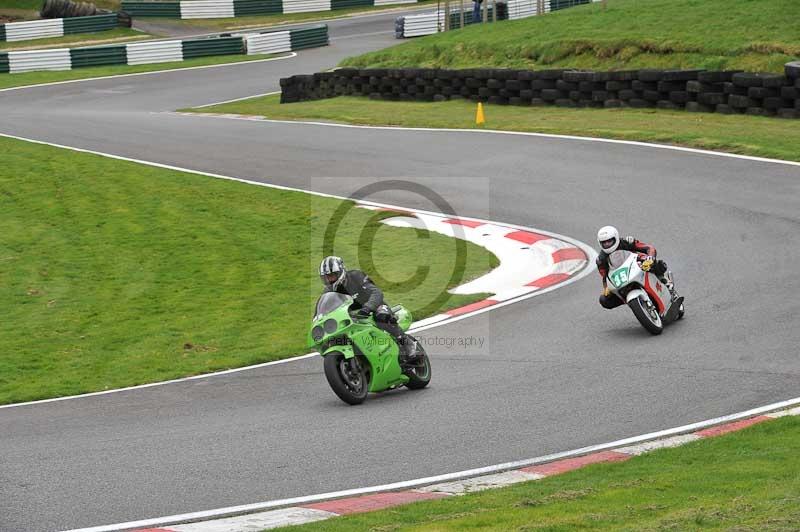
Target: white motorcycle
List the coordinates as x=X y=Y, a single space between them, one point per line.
x=649 y=299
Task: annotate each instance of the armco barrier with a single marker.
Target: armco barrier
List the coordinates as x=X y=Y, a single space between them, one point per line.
x=152 y=9
x=313 y=37
x=146 y=53
x=268 y=43
x=35 y=60
x=430 y=23
x=104 y=22
x=242 y=8
x=57 y=27
x=100 y=56
x=207 y=47
x=306 y=6
x=207 y=9
x=141 y=53
x=693 y=90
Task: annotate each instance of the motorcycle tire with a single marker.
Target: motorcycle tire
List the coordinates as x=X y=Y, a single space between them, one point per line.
x=350 y=387
x=639 y=309
x=419 y=371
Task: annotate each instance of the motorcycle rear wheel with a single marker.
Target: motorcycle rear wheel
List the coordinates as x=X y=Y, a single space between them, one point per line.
x=419 y=371
x=349 y=384
x=648 y=317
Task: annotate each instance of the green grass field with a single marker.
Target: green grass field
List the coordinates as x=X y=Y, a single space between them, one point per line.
x=114 y=273
x=746 y=481
x=753 y=35
x=765 y=137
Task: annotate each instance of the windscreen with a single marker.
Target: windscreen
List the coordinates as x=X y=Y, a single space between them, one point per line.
x=330 y=301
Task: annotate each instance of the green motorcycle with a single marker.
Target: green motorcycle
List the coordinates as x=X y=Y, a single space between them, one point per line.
x=358 y=356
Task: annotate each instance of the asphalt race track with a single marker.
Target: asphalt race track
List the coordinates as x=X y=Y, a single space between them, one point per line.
x=557 y=371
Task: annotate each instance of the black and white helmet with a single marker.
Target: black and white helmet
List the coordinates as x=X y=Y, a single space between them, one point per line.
x=608 y=238
x=332 y=272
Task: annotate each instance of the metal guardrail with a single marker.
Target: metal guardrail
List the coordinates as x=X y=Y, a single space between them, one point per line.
x=141 y=53
x=99 y=56
x=154 y=52
x=56 y=27
x=34 y=29
x=104 y=22
x=309 y=37
x=268 y=43
x=244 y=8
x=213 y=46
x=152 y=9
x=430 y=23
x=306 y=6
x=241 y=8
x=37 y=60
x=207 y=9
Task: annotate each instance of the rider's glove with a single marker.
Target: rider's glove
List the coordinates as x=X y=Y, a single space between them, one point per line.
x=647 y=263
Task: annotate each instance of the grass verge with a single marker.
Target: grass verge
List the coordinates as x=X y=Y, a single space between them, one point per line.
x=749 y=135
x=712 y=34
x=115 y=273
x=748 y=480
x=34 y=78
x=114 y=36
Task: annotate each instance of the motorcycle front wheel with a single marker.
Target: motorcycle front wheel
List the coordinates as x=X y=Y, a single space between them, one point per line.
x=418 y=371
x=647 y=314
x=347 y=377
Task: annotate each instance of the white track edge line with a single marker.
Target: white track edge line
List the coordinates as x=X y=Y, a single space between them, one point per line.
x=237 y=99
x=237 y=63
x=584 y=271
x=256 y=118
x=498 y=468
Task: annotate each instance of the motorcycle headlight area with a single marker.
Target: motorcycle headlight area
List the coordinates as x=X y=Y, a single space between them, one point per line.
x=317 y=333
x=330 y=325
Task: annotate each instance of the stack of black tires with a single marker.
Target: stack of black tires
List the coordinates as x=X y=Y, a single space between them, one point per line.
x=67 y=9
x=692 y=90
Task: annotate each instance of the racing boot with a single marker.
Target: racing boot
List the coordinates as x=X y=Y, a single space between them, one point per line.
x=408 y=349
x=669 y=283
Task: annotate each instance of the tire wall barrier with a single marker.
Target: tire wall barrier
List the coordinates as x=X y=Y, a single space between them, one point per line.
x=57 y=27
x=143 y=53
x=727 y=92
x=241 y=8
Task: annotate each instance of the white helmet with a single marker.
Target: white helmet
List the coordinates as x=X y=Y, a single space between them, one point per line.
x=332 y=272
x=608 y=238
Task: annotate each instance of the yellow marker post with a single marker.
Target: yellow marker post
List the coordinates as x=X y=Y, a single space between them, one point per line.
x=479 y=118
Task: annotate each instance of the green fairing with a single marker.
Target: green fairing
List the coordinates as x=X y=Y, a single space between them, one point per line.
x=353 y=337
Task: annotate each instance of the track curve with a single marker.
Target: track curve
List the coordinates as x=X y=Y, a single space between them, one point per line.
x=558 y=372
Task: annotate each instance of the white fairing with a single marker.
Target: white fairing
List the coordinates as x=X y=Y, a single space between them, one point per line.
x=645 y=282
x=633 y=294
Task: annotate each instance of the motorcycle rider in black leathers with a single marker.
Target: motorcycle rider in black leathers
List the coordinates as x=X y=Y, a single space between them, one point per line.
x=609 y=241
x=368 y=300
